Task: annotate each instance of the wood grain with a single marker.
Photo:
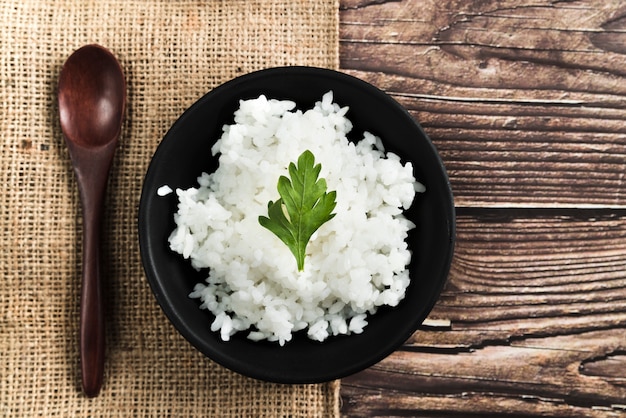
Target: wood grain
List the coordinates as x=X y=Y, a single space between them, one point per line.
x=526 y=103
x=538 y=324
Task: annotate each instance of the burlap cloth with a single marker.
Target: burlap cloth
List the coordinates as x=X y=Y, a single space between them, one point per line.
x=172 y=53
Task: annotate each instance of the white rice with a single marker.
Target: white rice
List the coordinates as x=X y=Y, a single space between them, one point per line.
x=355 y=263
x=164 y=190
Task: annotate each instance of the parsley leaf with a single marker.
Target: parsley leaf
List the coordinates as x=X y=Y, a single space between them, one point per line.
x=303 y=206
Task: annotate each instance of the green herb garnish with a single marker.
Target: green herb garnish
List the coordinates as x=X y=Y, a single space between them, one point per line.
x=303 y=206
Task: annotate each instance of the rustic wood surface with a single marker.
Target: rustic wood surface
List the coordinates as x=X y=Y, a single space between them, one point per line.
x=526 y=103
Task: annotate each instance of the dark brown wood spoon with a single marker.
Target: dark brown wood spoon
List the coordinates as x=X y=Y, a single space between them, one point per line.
x=92 y=98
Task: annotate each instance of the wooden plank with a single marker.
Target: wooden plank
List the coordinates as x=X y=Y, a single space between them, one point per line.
x=536 y=303
x=542 y=376
x=526 y=101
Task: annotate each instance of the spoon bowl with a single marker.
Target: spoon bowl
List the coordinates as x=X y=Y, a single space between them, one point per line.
x=92 y=95
x=92 y=100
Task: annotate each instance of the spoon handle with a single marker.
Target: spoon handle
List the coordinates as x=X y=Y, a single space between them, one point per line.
x=92 y=181
x=92 y=342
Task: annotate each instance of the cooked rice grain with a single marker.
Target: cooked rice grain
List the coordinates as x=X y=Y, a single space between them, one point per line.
x=355 y=263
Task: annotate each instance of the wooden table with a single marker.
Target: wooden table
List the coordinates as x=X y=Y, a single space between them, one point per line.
x=526 y=103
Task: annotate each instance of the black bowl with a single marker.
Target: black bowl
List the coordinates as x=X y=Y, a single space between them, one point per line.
x=185 y=152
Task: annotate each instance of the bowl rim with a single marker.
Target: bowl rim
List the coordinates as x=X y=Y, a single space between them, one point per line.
x=166 y=303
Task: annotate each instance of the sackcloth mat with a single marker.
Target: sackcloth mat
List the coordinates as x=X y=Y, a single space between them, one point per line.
x=172 y=53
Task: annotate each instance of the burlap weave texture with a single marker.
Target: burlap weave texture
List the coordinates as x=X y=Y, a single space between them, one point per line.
x=172 y=52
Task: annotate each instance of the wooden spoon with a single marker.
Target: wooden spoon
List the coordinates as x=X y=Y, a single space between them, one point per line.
x=92 y=98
